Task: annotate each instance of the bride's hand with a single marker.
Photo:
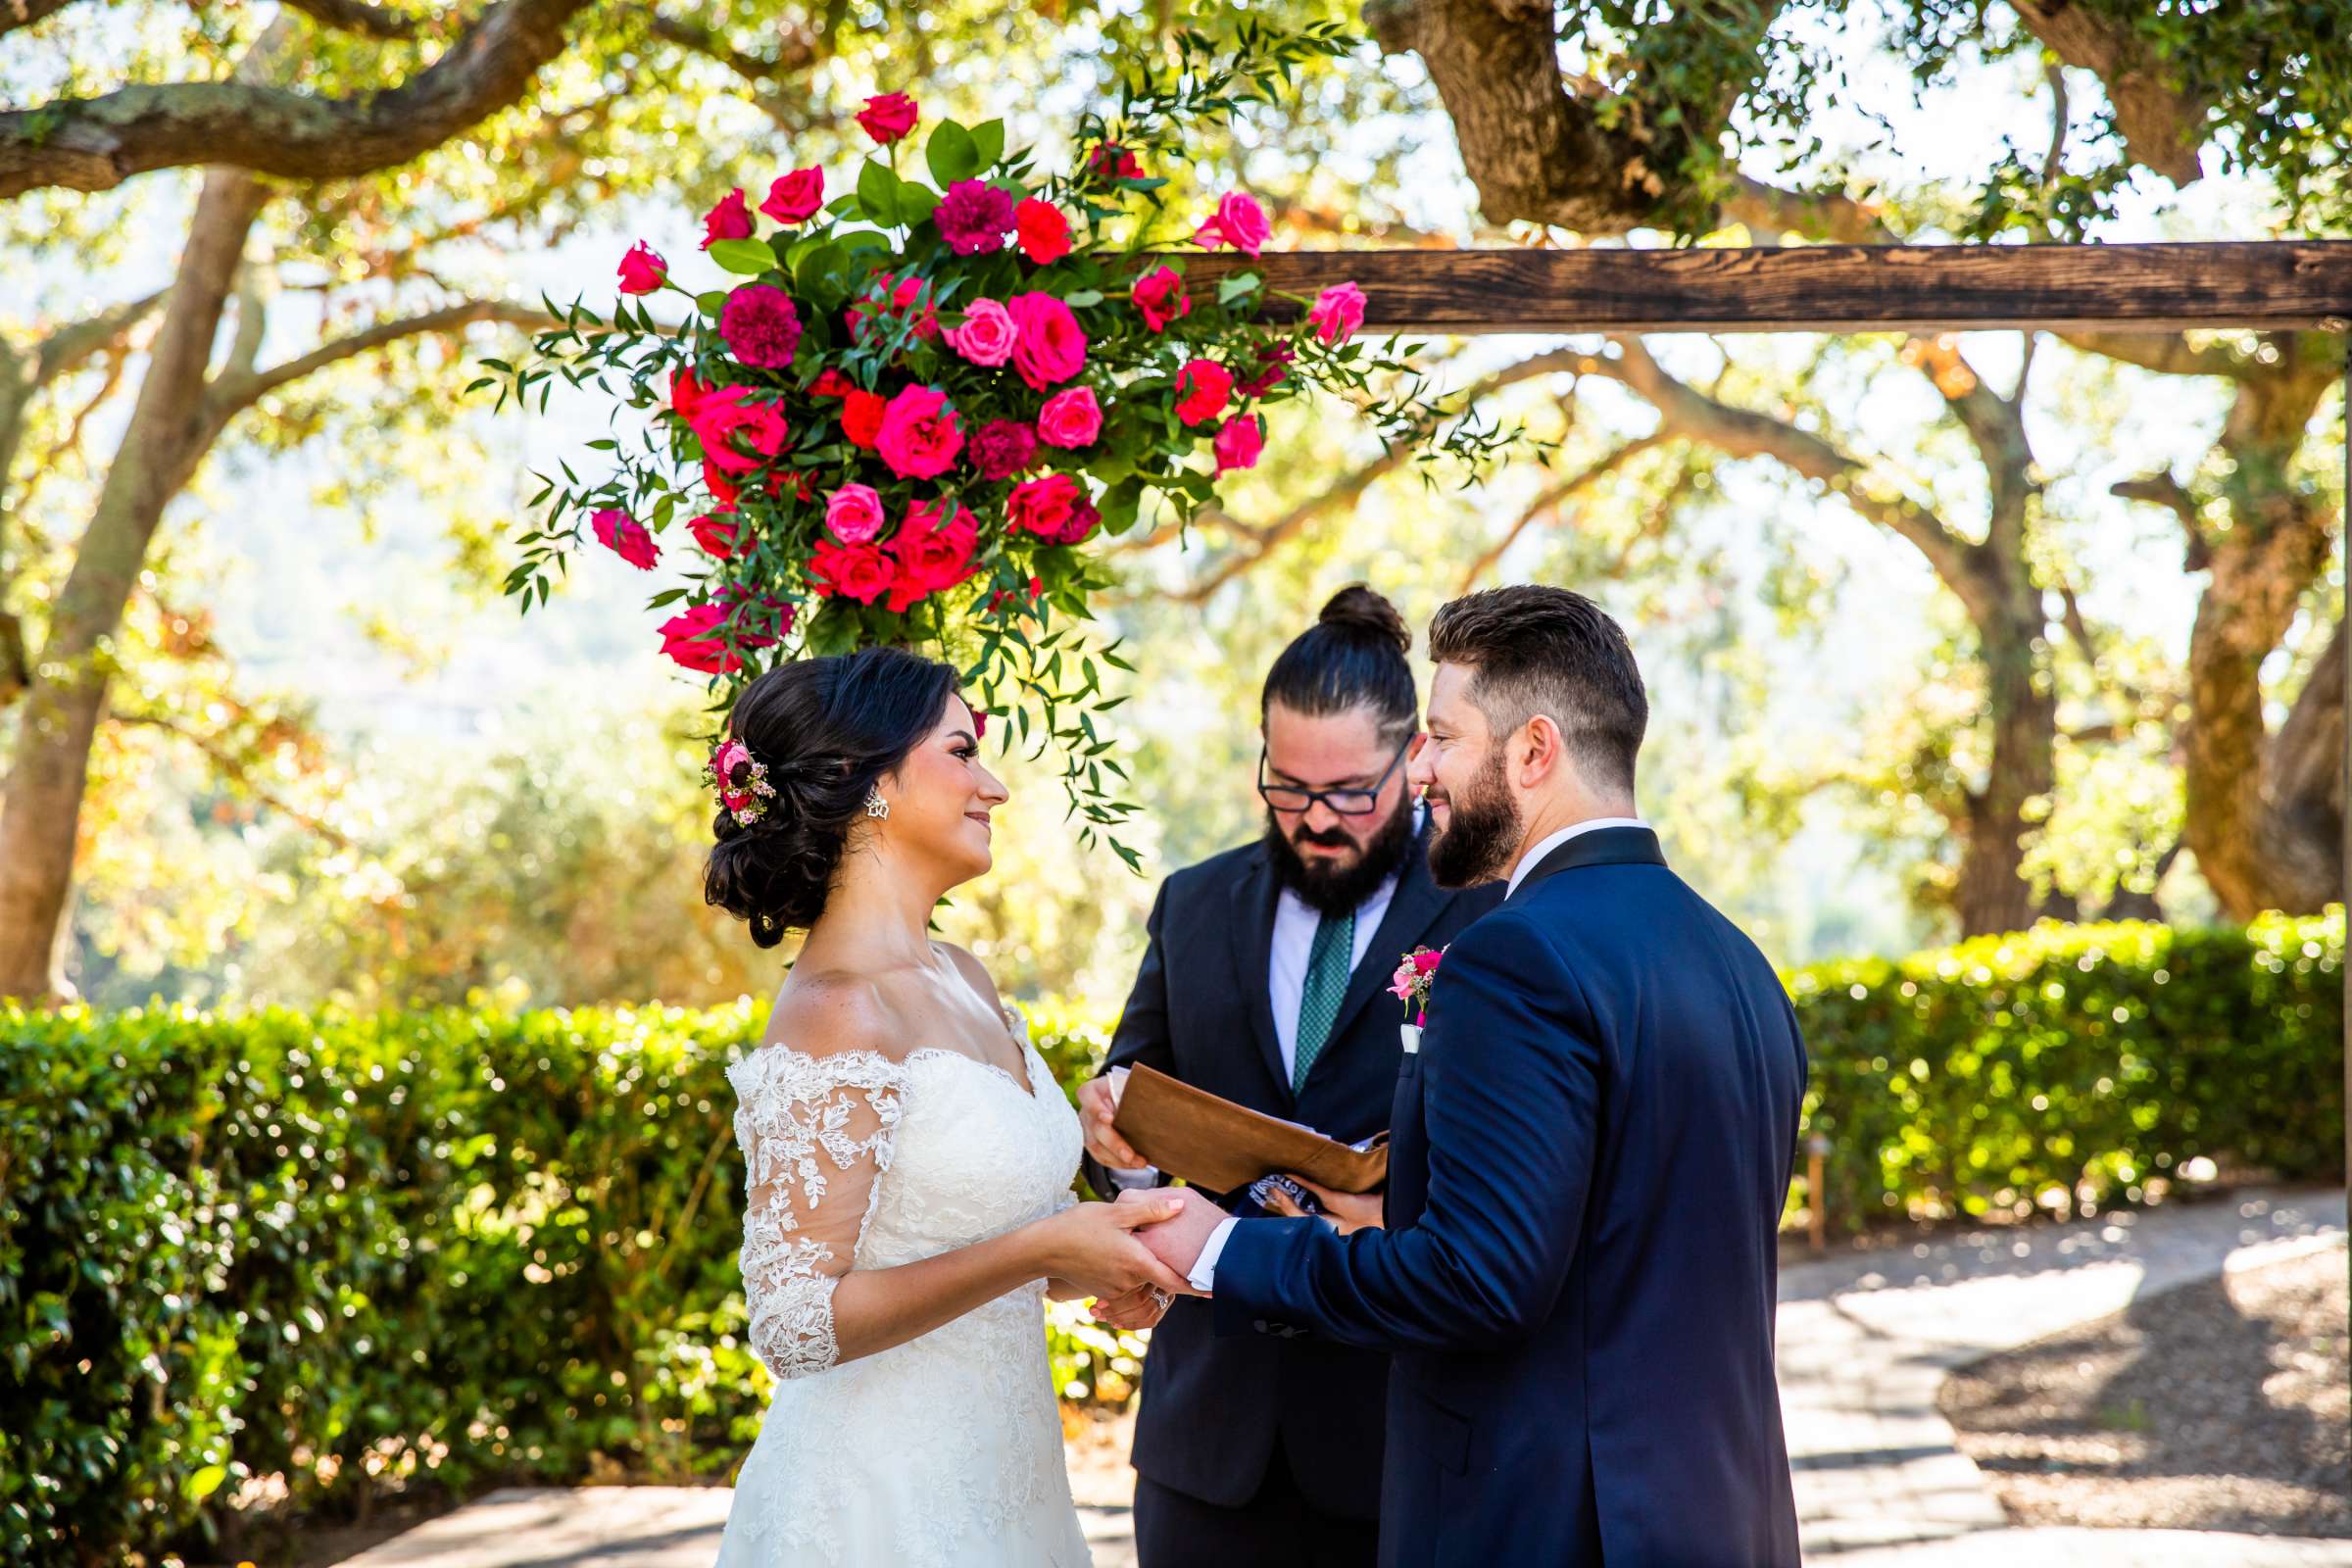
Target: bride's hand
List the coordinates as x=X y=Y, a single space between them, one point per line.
x=1092 y=1245
x=1140 y=1309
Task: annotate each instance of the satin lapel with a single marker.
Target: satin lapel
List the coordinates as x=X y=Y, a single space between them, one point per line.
x=1252 y=928
x=1412 y=909
x=1606 y=846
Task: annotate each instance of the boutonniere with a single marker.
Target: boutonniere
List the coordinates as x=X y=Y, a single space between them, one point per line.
x=1416 y=976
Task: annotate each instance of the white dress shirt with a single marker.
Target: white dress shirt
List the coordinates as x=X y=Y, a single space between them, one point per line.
x=1295 y=923
x=1204 y=1275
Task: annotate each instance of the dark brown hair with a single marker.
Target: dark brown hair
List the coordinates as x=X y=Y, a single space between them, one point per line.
x=1353 y=654
x=827 y=730
x=1536 y=650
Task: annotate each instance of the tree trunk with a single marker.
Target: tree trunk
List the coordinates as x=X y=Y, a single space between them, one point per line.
x=165 y=438
x=2250 y=826
x=1991 y=892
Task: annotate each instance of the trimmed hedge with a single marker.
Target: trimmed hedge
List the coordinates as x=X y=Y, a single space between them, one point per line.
x=336 y=1252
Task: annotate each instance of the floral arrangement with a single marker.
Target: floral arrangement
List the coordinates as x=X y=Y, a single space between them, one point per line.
x=1415 y=977
x=912 y=411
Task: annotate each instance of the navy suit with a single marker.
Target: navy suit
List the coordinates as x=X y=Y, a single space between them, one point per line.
x=1222 y=1420
x=1588 y=1158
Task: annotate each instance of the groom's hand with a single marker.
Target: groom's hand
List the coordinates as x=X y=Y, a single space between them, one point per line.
x=1177 y=1242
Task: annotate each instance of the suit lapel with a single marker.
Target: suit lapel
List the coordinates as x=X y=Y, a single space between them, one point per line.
x=1412 y=909
x=1253 y=931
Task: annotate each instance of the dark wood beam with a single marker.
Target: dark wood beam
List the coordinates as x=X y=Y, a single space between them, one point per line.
x=2274 y=284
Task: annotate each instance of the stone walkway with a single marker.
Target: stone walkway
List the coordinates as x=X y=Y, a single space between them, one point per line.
x=1865 y=1341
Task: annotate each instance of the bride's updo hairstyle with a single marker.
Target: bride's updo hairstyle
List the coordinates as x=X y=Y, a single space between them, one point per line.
x=826 y=731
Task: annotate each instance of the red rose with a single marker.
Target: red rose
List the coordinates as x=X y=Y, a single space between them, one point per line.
x=1040 y=231
x=731 y=219
x=1159 y=294
x=693 y=638
x=1202 y=388
x=887 y=116
x=643 y=270
x=1044 y=506
x=920 y=434
x=715 y=537
x=1273 y=368
x=796 y=196
x=861 y=417
x=832 y=384
x=626 y=537
x=931 y=557
x=855 y=571
x=723 y=490
x=1111 y=160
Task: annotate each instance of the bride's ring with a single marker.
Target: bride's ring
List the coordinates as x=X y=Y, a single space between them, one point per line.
x=1161 y=1298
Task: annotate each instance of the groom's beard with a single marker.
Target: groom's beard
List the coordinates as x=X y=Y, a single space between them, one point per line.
x=1482 y=831
x=1338 y=889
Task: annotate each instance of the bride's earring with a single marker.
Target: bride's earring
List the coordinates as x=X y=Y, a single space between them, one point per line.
x=875 y=804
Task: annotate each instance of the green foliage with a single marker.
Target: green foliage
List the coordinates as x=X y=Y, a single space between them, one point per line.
x=2072 y=1062
x=360 y=1251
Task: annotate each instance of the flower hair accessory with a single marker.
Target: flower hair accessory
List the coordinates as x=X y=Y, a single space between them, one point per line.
x=741 y=780
x=1415 y=977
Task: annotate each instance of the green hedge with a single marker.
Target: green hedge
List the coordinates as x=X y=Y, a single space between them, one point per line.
x=342 y=1252
x=2072 y=1063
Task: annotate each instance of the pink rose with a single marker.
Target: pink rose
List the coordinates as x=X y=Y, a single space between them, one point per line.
x=1070 y=419
x=1044 y=506
x=761 y=325
x=931 y=556
x=731 y=219
x=854 y=514
x=1337 y=312
x=1052 y=346
x=1239 y=222
x=987 y=334
x=855 y=572
x=887 y=116
x=1159 y=294
x=643 y=270
x=1041 y=230
x=1201 y=389
x=919 y=436
x=796 y=196
x=691 y=638
x=626 y=537
x=1003 y=448
x=1239 y=442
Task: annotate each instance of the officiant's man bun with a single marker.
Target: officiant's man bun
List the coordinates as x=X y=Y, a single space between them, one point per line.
x=1544 y=650
x=1354 y=655
x=827 y=729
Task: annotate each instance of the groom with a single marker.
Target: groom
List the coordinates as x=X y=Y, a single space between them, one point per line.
x=1587 y=1157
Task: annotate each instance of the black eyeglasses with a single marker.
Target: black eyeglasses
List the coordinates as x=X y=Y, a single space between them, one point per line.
x=1346 y=801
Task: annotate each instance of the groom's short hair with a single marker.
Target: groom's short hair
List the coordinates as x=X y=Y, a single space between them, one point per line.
x=1534 y=648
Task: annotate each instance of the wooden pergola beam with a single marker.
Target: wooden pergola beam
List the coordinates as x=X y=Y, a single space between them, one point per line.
x=2271 y=284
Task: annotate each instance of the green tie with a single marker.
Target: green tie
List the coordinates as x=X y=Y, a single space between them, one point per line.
x=1327 y=967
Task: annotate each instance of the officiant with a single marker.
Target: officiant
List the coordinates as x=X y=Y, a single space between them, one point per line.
x=1263 y=981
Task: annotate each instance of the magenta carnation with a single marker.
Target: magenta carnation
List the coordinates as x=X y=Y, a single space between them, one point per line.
x=761 y=325
x=973 y=216
x=1003 y=448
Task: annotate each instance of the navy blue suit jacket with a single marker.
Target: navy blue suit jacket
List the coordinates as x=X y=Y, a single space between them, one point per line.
x=1587 y=1162
x=1213 y=1407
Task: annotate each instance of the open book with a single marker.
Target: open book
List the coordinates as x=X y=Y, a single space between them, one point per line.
x=1217 y=1145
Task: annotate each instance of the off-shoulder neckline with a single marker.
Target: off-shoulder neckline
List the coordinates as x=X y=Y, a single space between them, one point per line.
x=1015 y=1024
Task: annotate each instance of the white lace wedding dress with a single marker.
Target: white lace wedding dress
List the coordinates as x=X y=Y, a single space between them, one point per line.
x=946 y=1450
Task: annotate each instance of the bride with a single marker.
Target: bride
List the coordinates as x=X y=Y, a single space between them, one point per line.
x=909 y=1154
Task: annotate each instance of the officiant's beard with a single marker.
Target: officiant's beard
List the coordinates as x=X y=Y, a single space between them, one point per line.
x=1481 y=830
x=1339 y=888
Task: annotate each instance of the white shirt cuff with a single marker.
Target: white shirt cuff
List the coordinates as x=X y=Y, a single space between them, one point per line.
x=1204 y=1276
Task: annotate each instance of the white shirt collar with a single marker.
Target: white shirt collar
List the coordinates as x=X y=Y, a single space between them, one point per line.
x=1545 y=845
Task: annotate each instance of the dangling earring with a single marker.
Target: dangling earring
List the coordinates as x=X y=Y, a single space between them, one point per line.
x=875 y=804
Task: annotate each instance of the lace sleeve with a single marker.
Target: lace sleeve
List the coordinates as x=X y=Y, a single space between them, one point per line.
x=817 y=1134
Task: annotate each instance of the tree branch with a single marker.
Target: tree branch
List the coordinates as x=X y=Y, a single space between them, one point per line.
x=14 y=14
x=2166 y=353
x=97 y=143
x=1549 y=500
x=2161 y=124
x=240 y=772
x=356 y=15
x=232 y=391
x=2161 y=489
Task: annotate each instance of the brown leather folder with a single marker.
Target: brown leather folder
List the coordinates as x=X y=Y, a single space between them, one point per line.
x=1217 y=1145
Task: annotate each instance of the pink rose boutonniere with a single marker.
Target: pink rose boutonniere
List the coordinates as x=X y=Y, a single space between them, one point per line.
x=1416 y=976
